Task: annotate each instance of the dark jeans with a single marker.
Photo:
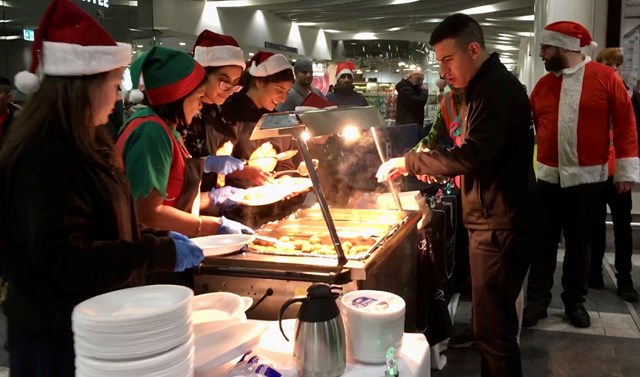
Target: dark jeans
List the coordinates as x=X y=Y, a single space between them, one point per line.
x=570 y=211
x=499 y=261
x=620 y=206
x=40 y=355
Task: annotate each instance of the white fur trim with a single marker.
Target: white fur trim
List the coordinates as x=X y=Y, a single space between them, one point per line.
x=627 y=170
x=554 y=38
x=569 y=176
x=27 y=82
x=580 y=175
x=343 y=71
x=219 y=56
x=136 y=96
x=274 y=64
x=548 y=173
x=64 y=59
x=568 y=110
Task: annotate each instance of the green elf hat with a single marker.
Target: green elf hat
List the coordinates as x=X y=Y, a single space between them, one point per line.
x=168 y=75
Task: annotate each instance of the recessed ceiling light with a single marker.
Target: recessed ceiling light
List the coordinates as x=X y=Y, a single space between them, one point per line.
x=307 y=23
x=182 y=43
x=480 y=10
x=394 y=29
x=487 y=24
x=398 y=2
x=506 y=48
x=432 y=20
x=332 y=31
x=525 y=34
x=529 y=17
x=229 y=3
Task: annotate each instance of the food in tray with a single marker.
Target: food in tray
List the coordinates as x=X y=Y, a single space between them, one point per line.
x=313 y=245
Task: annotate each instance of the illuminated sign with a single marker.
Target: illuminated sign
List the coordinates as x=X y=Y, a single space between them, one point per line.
x=28 y=35
x=100 y=3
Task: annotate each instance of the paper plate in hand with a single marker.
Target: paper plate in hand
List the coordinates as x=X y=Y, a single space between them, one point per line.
x=222 y=244
x=259 y=195
x=293 y=184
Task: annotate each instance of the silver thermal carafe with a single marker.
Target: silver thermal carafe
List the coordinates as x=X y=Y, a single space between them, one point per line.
x=319 y=349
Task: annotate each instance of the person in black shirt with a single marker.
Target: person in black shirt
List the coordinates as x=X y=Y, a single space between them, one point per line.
x=499 y=203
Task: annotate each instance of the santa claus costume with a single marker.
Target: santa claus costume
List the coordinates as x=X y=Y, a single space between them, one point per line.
x=573 y=111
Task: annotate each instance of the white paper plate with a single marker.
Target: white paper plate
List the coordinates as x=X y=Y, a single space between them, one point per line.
x=222 y=244
x=259 y=196
x=134 y=305
x=217 y=348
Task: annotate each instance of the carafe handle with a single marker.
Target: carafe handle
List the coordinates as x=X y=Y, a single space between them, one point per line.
x=284 y=308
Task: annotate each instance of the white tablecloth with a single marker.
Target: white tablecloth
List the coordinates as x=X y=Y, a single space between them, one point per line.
x=414 y=356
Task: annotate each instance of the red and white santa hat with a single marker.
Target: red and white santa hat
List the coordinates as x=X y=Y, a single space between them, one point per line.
x=70 y=43
x=567 y=34
x=345 y=68
x=266 y=63
x=217 y=50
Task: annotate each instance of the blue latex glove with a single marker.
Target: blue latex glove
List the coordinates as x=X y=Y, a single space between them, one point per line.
x=188 y=254
x=233 y=227
x=220 y=196
x=222 y=164
x=178 y=236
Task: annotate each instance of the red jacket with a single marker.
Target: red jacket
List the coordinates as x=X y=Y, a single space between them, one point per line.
x=573 y=113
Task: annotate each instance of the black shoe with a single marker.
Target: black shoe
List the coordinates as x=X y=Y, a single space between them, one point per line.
x=578 y=316
x=463 y=340
x=532 y=314
x=626 y=291
x=595 y=282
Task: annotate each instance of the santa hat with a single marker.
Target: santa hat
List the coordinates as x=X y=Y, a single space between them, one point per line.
x=265 y=64
x=566 y=34
x=345 y=68
x=217 y=50
x=70 y=43
x=168 y=75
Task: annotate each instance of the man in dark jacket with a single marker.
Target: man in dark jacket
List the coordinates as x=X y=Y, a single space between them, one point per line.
x=344 y=93
x=498 y=185
x=412 y=97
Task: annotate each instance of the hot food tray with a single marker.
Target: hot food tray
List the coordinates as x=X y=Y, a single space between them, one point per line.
x=305 y=234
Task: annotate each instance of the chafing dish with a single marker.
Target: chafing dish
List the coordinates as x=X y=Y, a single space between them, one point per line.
x=273 y=276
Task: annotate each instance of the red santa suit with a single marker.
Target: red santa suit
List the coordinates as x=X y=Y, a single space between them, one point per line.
x=574 y=111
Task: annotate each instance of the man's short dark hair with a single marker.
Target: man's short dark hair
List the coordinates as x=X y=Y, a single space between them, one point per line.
x=462 y=28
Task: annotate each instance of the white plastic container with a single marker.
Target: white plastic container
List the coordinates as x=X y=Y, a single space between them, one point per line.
x=374 y=321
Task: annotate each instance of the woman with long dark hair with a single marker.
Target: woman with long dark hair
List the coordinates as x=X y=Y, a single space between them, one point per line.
x=68 y=229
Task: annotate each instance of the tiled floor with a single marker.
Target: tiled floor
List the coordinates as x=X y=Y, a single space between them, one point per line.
x=554 y=348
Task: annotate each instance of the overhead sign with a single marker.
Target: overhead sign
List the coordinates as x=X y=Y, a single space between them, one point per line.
x=100 y=3
x=279 y=47
x=28 y=35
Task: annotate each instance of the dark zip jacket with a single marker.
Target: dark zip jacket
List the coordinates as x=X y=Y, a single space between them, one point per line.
x=496 y=157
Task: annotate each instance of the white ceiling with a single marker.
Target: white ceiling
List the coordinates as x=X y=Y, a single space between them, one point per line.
x=498 y=18
x=503 y=22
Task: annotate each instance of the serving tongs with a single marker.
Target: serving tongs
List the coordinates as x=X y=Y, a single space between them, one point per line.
x=279 y=157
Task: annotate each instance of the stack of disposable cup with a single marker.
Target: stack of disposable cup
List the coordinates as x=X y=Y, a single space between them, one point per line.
x=374 y=321
x=142 y=331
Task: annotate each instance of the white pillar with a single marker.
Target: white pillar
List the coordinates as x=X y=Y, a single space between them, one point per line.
x=592 y=14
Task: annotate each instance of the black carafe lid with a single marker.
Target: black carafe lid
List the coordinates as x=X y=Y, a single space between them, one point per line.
x=320 y=304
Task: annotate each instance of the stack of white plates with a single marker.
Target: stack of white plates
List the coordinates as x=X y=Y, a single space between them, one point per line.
x=142 y=331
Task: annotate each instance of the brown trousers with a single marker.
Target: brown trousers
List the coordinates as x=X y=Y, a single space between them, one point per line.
x=499 y=260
